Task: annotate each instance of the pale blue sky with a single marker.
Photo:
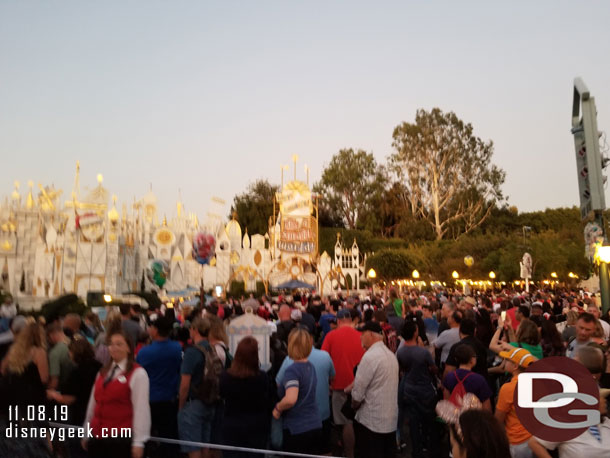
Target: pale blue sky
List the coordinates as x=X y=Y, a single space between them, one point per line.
x=209 y=96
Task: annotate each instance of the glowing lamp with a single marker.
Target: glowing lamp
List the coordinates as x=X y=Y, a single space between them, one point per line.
x=602 y=254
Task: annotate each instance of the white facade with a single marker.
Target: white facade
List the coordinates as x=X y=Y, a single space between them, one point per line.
x=48 y=248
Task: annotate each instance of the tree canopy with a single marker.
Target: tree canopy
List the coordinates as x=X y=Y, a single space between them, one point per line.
x=255 y=206
x=350 y=185
x=447 y=171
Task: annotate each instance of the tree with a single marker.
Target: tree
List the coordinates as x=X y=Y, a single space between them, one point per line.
x=255 y=206
x=447 y=171
x=349 y=185
x=391 y=264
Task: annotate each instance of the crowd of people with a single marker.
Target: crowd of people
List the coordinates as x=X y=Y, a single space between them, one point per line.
x=407 y=373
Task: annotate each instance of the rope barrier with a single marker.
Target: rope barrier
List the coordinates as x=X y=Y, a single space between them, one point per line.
x=215 y=446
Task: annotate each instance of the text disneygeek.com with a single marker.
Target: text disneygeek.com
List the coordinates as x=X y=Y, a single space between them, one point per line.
x=61 y=434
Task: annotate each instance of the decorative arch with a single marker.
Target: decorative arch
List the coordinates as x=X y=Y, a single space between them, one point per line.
x=249 y=271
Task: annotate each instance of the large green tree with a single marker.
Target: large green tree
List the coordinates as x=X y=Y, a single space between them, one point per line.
x=349 y=186
x=255 y=206
x=447 y=170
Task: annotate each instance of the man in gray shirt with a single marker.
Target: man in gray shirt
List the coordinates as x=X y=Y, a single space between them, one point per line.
x=585 y=327
x=131 y=327
x=447 y=339
x=374 y=395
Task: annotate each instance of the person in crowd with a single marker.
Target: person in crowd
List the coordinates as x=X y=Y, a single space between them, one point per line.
x=516 y=361
x=161 y=360
x=551 y=342
x=219 y=340
x=72 y=326
x=76 y=391
x=397 y=303
x=430 y=322
x=594 y=310
x=328 y=316
x=112 y=323
x=195 y=418
x=345 y=349
x=25 y=370
x=248 y=395
x=447 y=339
x=484 y=329
x=325 y=373
x=297 y=391
x=8 y=337
x=598 y=337
x=417 y=392
x=286 y=324
x=569 y=332
x=396 y=321
x=522 y=312
x=447 y=310
x=527 y=337
x=595 y=442
x=585 y=327
x=478 y=435
x=60 y=364
x=93 y=326
x=466 y=359
x=374 y=397
x=467 y=335
x=131 y=327
x=119 y=399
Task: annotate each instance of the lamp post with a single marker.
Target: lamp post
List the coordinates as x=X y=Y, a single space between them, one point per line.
x=415 y=275
x=602 y=257
x=372 y=275
x=455 y=276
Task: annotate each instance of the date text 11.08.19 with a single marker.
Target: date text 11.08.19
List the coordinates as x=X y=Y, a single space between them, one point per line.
x=38 y=413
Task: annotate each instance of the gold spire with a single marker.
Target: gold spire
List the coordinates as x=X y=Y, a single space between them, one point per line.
x=15 y=194
x=30 y=200
x=113 y=214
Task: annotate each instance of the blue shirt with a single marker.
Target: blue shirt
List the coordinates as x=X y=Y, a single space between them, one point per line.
x=303 y=416
x=325 y=320
x=431 y=326
x=325 y=370
x=192 y=364
x=162 y=360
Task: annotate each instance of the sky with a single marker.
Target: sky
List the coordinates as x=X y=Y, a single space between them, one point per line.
x=206 y=97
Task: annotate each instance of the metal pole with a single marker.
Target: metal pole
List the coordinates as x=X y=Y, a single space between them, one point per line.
x=604 y=286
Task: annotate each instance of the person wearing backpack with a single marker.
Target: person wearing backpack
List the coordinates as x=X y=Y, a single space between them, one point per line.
x=199 y=390
x=463 y=380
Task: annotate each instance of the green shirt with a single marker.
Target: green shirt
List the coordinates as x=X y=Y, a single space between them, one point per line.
x=535 y=350
x=398 y=307
x=60 y=364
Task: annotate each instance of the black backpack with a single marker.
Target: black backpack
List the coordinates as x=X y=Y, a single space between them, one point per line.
x=208 y=391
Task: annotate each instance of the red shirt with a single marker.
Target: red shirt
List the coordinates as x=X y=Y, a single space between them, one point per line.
x=345 y=349
x=513 y=319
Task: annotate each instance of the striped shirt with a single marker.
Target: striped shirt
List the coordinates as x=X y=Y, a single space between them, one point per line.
x=376 y=386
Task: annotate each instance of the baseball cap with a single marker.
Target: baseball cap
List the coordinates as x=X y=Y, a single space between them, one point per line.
x=343 y=314
x=519 y=356
x=372 y=326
